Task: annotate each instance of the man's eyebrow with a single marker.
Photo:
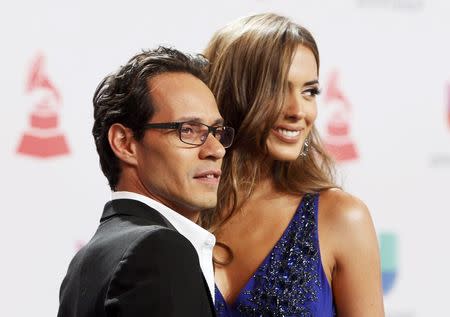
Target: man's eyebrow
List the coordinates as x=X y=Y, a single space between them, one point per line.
x=193 y=119
x=218 y=121
x=199 y=120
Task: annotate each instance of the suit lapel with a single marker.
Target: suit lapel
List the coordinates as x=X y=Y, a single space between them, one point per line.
x=135 y=208
x=210 y=300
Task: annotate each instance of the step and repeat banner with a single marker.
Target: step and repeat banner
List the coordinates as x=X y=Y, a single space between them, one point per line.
x=384 y=114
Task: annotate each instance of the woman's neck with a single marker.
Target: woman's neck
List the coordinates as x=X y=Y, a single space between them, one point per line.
x=265 y=187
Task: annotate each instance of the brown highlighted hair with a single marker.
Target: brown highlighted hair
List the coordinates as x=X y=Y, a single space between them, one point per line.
x=249 y=63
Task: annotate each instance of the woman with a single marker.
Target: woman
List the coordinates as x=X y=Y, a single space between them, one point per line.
x=290 y=242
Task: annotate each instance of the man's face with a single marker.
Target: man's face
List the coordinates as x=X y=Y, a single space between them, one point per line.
x=181 y=176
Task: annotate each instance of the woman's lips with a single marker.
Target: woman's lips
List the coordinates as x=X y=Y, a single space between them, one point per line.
x=290 y=135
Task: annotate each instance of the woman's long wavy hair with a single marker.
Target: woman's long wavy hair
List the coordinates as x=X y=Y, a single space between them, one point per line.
x=250 y=60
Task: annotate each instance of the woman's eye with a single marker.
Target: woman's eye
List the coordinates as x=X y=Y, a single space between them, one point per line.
x=311 y=92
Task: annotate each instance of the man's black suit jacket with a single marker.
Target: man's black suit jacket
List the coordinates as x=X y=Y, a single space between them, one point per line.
x=136 y=264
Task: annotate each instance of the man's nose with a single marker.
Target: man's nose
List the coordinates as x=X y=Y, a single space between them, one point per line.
x=212 y=148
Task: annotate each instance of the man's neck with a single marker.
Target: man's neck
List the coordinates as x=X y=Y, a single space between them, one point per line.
x=192 y=215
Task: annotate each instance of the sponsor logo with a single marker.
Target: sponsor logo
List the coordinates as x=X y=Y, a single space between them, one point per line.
x=391 y=4
x=43 y=139
x=389 y=264
x=337 y=137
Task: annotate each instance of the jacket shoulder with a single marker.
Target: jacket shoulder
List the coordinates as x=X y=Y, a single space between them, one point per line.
x=159 y=274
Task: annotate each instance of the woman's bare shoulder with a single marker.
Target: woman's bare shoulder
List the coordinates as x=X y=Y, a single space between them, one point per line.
x=351 y=240
x=343 y=208
x=347 y=222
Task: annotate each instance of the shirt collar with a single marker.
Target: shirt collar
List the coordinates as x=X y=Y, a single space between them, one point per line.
x=199 y=237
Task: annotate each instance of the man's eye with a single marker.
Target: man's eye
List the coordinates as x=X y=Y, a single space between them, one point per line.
x=311 y=92
x=219 y=133
x=187 y=130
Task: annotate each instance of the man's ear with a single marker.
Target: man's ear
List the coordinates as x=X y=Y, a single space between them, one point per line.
x=122 y=143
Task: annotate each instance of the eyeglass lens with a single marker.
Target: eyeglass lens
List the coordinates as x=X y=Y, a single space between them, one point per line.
x=197 y=133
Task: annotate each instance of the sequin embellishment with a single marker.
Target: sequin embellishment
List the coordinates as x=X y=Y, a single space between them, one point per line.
x=287 y=282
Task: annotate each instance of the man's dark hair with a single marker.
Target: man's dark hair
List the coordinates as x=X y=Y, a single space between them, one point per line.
x=123 y=97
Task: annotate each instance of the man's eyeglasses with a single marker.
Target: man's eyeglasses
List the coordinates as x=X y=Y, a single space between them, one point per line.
x=196 y=133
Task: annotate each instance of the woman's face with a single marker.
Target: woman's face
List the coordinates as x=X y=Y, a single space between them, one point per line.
x=286 y=138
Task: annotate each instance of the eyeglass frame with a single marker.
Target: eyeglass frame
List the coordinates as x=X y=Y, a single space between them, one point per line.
x=177 y=126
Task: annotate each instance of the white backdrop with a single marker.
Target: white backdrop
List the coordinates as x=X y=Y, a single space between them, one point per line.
x=388 y=111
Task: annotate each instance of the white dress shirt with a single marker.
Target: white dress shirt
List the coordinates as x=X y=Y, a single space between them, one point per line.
x=202 y=240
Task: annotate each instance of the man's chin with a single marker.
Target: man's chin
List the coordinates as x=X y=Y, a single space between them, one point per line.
x=192 y=208
x=203 y=199
x=207 y=204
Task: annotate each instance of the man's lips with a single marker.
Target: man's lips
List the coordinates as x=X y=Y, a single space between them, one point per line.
x=209 y=176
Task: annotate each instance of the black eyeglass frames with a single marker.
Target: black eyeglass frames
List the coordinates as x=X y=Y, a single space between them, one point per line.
x=196 y=133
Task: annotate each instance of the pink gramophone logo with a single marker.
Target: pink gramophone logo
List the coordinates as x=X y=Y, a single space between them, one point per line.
x=337 y=139
x=43 y=138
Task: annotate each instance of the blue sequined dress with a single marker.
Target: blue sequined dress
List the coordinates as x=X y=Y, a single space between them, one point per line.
x=291 y=280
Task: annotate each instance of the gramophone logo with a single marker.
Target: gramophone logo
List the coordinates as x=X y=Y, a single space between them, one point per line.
x=43 y=138
x=441 y=159
x=337 y=137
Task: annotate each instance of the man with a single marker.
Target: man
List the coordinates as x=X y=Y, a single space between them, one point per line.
x=161 y=141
